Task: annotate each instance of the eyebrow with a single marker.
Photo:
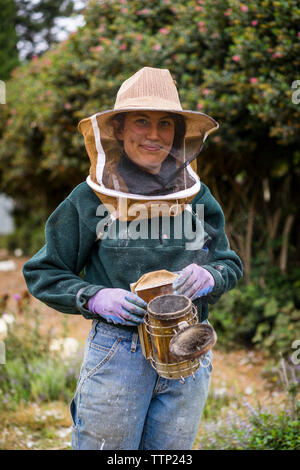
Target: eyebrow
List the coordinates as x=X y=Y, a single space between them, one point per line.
x=147 y=116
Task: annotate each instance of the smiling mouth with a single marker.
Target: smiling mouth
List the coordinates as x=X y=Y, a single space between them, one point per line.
x=151 y=148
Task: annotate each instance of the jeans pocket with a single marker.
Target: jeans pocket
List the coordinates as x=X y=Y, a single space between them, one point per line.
x=102 y=348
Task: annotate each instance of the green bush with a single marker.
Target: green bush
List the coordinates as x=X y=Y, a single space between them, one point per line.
x=260 y=430
x=236 y=425
x=261 y=314
x=33 y=371
x=233 y=60
x=275 y=432
x=42 y=380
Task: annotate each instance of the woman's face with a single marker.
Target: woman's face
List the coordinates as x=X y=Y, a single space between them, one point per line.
x=147 y=138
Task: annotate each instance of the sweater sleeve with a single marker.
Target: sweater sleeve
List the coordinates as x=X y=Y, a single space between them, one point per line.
x=52 y=274
x=224 y=265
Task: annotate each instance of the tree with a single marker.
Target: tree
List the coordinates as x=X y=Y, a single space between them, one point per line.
x=231 y=60
x=8 y=38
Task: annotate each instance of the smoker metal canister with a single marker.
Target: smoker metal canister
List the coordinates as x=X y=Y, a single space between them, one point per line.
x=166 y=316
x=148 y=293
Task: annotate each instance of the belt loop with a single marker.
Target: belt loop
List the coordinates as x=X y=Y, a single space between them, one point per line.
x=134 y=341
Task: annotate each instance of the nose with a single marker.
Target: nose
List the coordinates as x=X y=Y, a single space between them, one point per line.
x=152 y=133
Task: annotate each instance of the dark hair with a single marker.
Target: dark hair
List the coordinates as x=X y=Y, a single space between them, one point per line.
x=179 y=125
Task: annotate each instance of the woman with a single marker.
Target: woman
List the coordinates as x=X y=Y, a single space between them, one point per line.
x=142 y=158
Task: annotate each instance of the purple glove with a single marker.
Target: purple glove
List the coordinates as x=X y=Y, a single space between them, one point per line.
x=118 y=306
x=193 y=282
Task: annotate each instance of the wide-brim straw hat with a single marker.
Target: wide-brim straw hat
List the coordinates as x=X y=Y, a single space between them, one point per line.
x=152 y=89
x=149 y=89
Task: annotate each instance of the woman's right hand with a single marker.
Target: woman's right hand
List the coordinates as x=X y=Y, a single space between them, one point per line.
x=118 y=306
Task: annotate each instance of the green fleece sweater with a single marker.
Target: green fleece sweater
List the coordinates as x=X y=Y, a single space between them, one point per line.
x=73 y=265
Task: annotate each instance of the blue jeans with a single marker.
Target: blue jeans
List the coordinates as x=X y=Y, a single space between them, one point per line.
x=122 y=404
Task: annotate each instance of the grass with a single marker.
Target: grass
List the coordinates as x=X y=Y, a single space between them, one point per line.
x=37 y=382
x=36 y=427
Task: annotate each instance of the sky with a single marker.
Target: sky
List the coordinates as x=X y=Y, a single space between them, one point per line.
x=64 y=26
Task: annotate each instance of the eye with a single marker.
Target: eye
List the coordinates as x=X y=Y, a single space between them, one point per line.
x=141 y=122
x=165 y=123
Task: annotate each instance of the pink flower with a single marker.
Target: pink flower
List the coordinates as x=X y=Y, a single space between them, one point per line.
x=227 y=12
x=96 y=49
x=145 y=11
x=199 y=8
x=254 y=22
x=124 y=10
x=35 y=58
x=157 y=47
x=206 y=91
x=201 y=26
x=122 y=2
x=298 y=34
x=139 y=37
x=47 y=61
x=67 y=106
x=253 y=80
x=164 y=31
x=236 y=58
x=200 y=2
x=123 y=47
x=276 y=55
x=17 y=296
x=199 y=105
x=244 y=7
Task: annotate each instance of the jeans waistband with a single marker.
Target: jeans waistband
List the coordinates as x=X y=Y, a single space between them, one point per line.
x=125 y=328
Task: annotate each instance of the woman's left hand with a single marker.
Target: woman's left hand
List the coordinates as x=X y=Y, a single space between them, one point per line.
x=193 y=282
